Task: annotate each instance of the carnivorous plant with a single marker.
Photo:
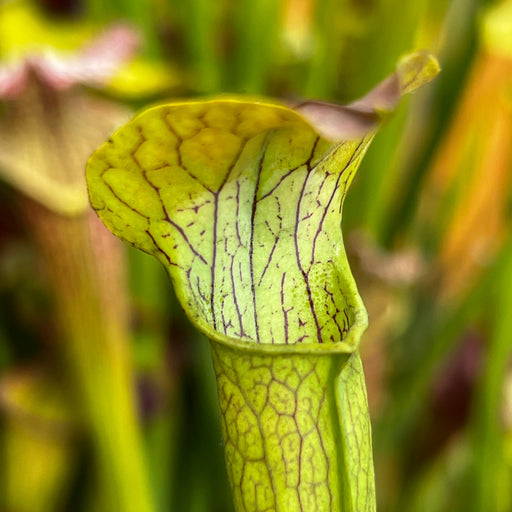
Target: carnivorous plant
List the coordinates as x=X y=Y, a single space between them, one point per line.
x=241 y=200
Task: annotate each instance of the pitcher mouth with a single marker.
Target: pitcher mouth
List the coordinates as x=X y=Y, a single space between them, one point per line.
x=241 y=201
x=348 y=345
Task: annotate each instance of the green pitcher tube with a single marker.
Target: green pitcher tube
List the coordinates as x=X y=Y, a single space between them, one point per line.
x=288 y=437
x=241 y=201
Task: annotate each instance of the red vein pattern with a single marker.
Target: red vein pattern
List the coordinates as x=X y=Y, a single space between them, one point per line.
x=242 y=203
x=280 y=440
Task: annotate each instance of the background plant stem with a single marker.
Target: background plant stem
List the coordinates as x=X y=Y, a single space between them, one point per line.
x=492 y=490
x=86 y=268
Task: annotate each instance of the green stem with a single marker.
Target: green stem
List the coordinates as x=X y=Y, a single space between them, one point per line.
x=489 y=465
x=155 y=311
x=85 y=267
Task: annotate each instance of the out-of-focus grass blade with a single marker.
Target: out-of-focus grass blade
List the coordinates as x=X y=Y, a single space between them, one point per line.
x=440 y=487
x=154 y=307
x=328 y=41
x=256 y=41
x=436 y=333
x=456 y=50
x=492 y=483
x=200 y=23
x=144 y=16
x=392 y=28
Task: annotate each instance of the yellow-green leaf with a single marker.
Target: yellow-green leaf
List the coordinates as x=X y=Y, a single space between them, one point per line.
x=241 y=201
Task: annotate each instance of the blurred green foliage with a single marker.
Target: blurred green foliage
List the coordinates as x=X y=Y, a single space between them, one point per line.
x=427 y=227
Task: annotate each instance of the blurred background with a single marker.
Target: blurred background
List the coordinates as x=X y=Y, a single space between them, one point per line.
x=107 y=395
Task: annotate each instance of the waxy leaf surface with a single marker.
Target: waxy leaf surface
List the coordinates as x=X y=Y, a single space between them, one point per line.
x=242 y=203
